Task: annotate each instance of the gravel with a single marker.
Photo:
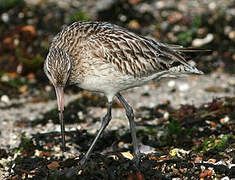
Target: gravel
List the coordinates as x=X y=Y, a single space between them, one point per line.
x=191 y=90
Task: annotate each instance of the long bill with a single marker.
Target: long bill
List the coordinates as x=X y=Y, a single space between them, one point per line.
x=60 y=101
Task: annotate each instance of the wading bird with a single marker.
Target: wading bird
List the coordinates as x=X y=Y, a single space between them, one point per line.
x=102 y=57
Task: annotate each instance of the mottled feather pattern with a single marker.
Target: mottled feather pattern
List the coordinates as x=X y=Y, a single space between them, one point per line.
x=129 y=53
x=58 y=61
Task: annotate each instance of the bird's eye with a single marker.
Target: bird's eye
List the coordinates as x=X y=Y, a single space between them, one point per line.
x=69 y=70
x=49 y=73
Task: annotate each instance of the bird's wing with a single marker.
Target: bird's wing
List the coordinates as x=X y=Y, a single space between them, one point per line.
x=136 y=55
x=129 y=53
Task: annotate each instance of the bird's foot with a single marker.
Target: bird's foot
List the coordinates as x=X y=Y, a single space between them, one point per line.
x=82 y=162
x=77 y=170
x=72 y=172
x=137 y=159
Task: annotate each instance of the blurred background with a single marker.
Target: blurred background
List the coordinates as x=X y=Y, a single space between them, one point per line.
x=26 y=28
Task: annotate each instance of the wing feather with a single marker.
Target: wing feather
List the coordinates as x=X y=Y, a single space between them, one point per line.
x=139 y=56
x=128 y=52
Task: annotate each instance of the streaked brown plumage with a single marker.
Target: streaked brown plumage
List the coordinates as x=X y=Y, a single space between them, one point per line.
x=102 y=57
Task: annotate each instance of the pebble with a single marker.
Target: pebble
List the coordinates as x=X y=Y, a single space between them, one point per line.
x=198 y=159
x=122 y=17
x=231 y=35
x=183 y=87
x=227 y=29
x=115 y=157
x=212 y=6
x=231 y=82
x=5 y=78
x=37 y=152
x=57 y=149
x=48 y=88
x=224 y=120
x=127 y=155
x=53 y=165
x=171 y=83
x=133 y=24
x=147 y=149
x=225 y=178
x=203 y=167
x=121 y=144
x=160 y=4
x=166 y=115
x=211 y=161
x=4 y=162
x=30 y=176
x=80 y=115
x=201 y=42
x=175 y=178
x=221 y=162
x=58 y=129
x=5 y=99
x=5 y=17
x=6 y=173
x=178 y=152
x=205 y=173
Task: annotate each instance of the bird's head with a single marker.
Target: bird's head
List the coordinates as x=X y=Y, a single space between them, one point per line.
x=57 y=68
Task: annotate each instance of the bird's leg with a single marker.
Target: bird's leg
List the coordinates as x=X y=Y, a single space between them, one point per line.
x=104 y=123
x=130 y=116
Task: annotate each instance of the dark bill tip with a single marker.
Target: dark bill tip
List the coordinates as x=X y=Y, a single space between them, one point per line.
x=61 y=117
x=60 y=101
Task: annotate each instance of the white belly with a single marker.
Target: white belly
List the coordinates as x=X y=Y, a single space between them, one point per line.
x=109 y=81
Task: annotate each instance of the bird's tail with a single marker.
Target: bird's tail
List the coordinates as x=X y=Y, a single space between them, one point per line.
x=190 y=52
x=182 y=69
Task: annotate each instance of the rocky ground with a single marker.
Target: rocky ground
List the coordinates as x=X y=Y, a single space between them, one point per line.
x=185 y=127
x=29 y=119
x=191 y=90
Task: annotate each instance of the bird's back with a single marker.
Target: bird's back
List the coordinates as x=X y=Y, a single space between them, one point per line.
x=127 y=52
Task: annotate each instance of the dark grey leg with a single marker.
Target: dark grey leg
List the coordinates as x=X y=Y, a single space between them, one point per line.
x=104 y=123
x=130 y=116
